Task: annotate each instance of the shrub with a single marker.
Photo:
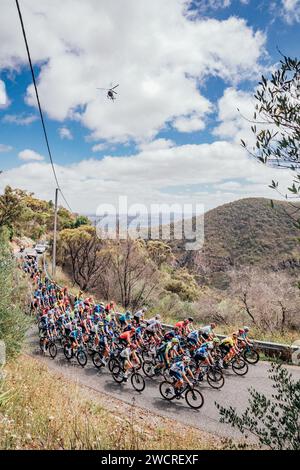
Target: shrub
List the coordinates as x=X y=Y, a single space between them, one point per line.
x=274 y=421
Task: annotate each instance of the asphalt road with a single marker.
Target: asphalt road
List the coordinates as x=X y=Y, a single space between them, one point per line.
x=234 y=393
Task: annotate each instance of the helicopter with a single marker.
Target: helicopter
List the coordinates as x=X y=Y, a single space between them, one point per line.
x=110 y=92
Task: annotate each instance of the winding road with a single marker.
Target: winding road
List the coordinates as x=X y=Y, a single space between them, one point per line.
x=234 y=392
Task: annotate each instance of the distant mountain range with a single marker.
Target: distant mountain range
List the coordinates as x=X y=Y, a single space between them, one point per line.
x=247 y=232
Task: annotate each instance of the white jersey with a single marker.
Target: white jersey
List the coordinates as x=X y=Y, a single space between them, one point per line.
x=154 y=326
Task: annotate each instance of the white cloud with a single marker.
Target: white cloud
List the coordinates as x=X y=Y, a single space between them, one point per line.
x=216 y=173
x=4 y=101
x=65 y=133
x=28 y=155
x=291 y=11
x=235 y=110
x=5 y=148
x=99 y=147
x=20 y=119
x=158 y=56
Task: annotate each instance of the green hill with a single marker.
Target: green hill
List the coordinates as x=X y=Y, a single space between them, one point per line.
x=245 y=232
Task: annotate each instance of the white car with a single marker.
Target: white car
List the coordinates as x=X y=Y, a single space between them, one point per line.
x=40 y=249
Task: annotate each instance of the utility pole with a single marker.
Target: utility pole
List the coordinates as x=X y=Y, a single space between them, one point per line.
x=54 y=235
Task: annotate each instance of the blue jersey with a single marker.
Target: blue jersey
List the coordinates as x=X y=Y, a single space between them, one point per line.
x=203 y=350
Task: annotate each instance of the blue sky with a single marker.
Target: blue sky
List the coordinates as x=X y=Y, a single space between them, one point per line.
x=173 y=133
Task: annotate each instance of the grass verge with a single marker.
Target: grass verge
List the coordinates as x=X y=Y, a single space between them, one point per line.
x=41 y=410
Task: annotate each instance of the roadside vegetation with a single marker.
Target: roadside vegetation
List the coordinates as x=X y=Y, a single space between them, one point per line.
x=40 y=410
x=273 y=421
x=14 y=289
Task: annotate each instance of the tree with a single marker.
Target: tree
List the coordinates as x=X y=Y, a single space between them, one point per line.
x=269 y=299
x=11 y=207
x=88 y=255
x=276 y=121
x=274 y=421
x=160 y=252
x=184 y=285
x=81 y=220
x=136 y=275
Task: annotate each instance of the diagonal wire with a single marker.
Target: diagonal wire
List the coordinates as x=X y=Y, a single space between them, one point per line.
x=39 y=104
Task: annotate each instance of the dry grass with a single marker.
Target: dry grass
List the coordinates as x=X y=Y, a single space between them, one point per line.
x=40 y=410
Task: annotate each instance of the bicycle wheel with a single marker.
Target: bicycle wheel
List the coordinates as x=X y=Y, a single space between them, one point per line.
x=239 y=366
x=251 y=356
x=52 y=350
x=167 y=376
x=215 y=378
x=138 y=365
x=138 y=382
x=112 y=363
x=81 y=358
x=68 y=352
x=167 y=390
x=118 y=374
x=42 y=345
x=194 y=399
x=97 y=360
x=149 y=369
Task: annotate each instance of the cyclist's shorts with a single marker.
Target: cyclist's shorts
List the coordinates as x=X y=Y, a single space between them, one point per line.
x=123 y=342
x=161 y=357
x=150 y=332
x=205 y=335
x=226 y=348
x=192 y=341
x=199 y=358
x=175 y=374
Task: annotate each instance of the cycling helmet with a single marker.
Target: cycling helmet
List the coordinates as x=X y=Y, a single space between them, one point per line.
x=186 y=359
x=241 y=331
x=157 y=316
x=210 y=346
x=175 y=340
x=190 y=319
x=128 y=314
x=216 y=340
x=246 y=328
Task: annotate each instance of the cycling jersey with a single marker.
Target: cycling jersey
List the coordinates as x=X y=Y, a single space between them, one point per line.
x=154 y=326
x=193 y=337
x=228 y=342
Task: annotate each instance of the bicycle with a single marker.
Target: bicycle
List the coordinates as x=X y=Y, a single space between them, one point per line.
x=193 y=397
x=212 y=373
x=79 y=353
x=251 y=355
x=136 y=379
x=48 y=344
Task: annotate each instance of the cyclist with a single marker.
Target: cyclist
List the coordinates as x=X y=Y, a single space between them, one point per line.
x=179 y=371
x=203 y=354
x=207 y=332
x=229 y=347
x=125 y=357
x=166 y=351
x=184 y=325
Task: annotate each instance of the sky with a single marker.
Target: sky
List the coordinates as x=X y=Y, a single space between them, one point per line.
x=173 y=134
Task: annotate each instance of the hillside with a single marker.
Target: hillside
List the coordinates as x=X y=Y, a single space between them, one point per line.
x=245 y=232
